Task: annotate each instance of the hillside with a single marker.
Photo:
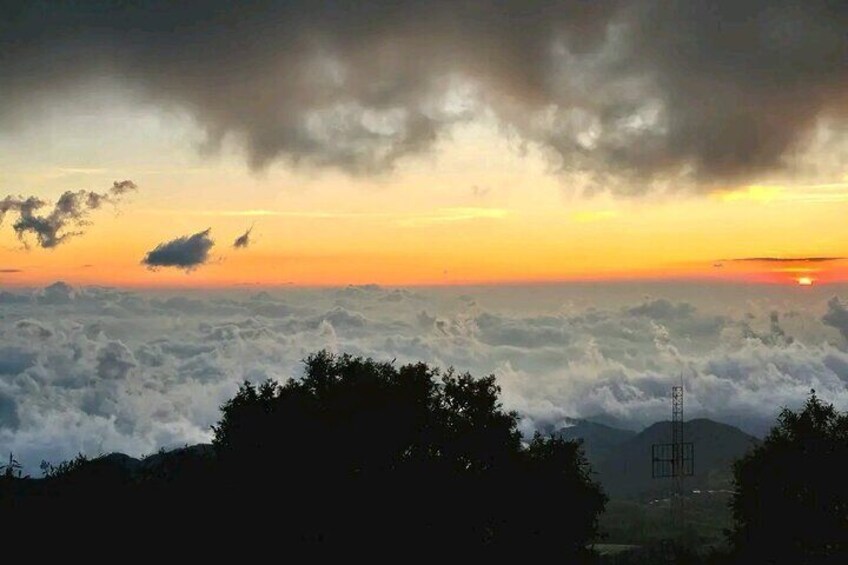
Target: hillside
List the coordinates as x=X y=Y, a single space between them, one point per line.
x=599 y=440
x=622 y=459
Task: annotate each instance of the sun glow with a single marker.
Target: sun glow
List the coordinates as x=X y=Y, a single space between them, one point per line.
x=805 y=281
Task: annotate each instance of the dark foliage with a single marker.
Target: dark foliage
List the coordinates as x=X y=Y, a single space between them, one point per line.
x=356 y=456
x=790 y=503
x=657 y=553
x=384 y=455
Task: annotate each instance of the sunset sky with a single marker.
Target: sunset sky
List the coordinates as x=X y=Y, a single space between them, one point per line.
x=569 y=149
x=475 y=210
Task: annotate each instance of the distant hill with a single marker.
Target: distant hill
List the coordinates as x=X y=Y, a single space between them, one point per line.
x=599 y=440
x=622 y=459
x=120 y=466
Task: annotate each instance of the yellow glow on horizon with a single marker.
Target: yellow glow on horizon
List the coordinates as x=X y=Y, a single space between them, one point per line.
x=753 y=193
x=805 y=281
x=477 y=211
x=587 y=216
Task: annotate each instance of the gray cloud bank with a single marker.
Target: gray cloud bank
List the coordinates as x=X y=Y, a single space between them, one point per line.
x=67 y=217
x=187 y=252
x=98 y=369
x=614 y=91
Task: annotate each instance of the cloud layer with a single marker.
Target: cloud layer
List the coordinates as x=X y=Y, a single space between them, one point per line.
x=97 y=370
x=628 y=94
x=187 y=252
x=68 y=216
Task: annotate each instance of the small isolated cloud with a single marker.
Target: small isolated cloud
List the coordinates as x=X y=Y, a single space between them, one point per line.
x=187 y=252
x=10 y=271
x=122 y=187
x=243 y=241
x=785 y=259
x=67 y=217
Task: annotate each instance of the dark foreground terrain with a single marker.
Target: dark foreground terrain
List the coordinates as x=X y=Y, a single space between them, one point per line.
x=365 y=459
x=357 y=455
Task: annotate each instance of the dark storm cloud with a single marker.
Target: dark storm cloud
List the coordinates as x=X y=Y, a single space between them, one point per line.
x=186 y=252
x=786 y=259
x=67 y=217
x=243 y=240
x=646 y=90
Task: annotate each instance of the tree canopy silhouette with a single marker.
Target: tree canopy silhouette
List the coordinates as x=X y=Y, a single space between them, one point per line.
x=790 y=503
x=367 y=452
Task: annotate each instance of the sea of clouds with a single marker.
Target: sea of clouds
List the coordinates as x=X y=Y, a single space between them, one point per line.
x=97 y=370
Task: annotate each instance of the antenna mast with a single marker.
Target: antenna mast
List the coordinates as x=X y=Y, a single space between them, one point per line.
x=675 y=460
x=678 y=470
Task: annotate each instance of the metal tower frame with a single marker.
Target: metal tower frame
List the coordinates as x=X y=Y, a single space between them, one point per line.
x=675 y=460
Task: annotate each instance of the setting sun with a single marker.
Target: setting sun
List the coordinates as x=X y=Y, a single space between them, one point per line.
x=805 y=281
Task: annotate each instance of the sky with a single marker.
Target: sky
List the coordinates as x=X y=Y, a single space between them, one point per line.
x=428 y=143
x=588 y=199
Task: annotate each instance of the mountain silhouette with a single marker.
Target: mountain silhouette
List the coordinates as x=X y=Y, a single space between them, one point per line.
x=599 y=440
x=622 y=459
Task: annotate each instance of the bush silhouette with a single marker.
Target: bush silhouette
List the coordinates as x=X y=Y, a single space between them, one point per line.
x=790 y=503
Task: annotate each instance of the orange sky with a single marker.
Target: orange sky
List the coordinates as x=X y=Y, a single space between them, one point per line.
x=475 y=210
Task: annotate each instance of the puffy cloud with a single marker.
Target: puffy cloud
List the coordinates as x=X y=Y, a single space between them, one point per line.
x=121 y=187
x=619 y=93
x=14 y=360
x=243 y=241
x=114 y=361
x=59 y=292
x=99 y=370
x=187 y=252
x=837 y=316
x=662 y=309
x=13 y=298
x=69 y=213
x=8 y=412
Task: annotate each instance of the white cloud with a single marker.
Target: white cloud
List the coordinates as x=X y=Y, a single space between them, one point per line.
x=100 y=370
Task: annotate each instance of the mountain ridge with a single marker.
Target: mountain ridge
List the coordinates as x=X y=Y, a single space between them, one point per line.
x=621 y=459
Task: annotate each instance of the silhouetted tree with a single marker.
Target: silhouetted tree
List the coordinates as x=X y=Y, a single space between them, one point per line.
x=790 y=503
x=362 y=452
x=12 y=469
